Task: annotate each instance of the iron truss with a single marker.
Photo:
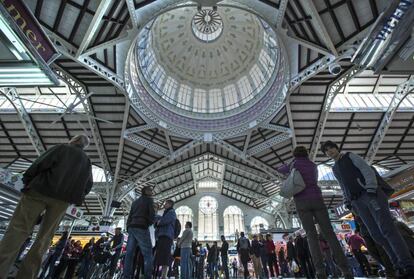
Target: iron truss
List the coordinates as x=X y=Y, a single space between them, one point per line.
x=402 y=91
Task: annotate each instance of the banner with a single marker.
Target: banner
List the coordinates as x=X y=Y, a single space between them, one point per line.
x=30 y=28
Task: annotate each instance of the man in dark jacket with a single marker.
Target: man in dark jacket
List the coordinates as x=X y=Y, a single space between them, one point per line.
x=303 y=256
x=224 y=256
x=59 y=177
x=359 y=184
x=140 y=217
x=117 y=241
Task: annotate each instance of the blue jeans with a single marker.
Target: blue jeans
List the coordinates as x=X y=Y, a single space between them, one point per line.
x=185 y=263
x=376 y=216
x=138 y=237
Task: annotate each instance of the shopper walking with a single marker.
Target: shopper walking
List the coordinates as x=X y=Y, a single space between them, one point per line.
x=310 y=207
x=212 y=258
x=255 y=254
x=355 y=241
x=224 y=256
x=263 y=256
x=271 y=256
x=140 y=217
x=116 y=243
x=243 y=249
x=361 y=192
x=59 y=177
x=165 y=237
x=235 y=267
x=185 y=257
x=86 y=259
x=49 y=267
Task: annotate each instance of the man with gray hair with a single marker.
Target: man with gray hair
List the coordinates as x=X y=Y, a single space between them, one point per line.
x=59 y=177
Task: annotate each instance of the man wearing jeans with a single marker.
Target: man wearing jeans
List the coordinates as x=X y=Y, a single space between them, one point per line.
x=140 y=217
x=359 y=184
x=224 y=256
x=60 y=176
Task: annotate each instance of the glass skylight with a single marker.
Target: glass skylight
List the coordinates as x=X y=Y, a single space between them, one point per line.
x=208 y=184
x=369 y=102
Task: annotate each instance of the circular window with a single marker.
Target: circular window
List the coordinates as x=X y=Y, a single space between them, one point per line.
x=208 y=205
x=207 y=25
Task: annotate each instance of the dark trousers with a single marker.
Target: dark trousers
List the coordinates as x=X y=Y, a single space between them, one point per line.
x=362 y=261
x=244 y=257
x=272 y=262
x=311 y=211
x=70 y=271
x=114 y=262
x=225 y=265
x=265 y=260
x=375 y=214
x=235 y=272
x=306 y=267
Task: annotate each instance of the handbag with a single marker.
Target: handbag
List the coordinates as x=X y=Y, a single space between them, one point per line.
x=293 y=184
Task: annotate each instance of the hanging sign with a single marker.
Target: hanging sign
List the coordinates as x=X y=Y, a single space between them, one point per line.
x=17 y=12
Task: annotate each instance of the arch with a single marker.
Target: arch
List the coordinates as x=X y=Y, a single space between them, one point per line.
x=233 y=220
x=184 y=214
x=207 y=218
x=258 y=223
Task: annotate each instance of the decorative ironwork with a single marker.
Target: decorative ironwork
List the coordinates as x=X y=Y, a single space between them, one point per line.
x=207 y=25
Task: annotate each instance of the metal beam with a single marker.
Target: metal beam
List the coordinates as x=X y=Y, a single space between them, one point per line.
x=277 y=128
x=93 y=26
x=147 y=144
x=258 y=164
x=242 y=190
x=402 y=91
x=308 y=44
x=168 y=193
x=319 y=66
x=281 y=13
x=111 y=192
x=127 y=187
x=80 y=90
x=334 y=88
x=132 y=13
x=290 y=120
x=268 y=144
x=247 y=141
x=319 y=26
x=139 y=128
x=70 y=51
x=26 y=120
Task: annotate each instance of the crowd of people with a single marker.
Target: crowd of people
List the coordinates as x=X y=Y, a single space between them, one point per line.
x=62 y=176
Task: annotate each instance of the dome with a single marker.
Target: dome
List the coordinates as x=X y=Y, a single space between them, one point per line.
x=205 y=67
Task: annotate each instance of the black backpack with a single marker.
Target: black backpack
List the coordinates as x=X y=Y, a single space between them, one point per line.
x=177 y=228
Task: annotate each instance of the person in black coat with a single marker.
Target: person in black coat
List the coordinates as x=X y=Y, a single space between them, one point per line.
x=303 y=256
x=212 y=258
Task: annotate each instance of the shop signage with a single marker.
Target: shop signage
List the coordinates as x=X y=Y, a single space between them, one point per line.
x=30 y=28
x=403 y=180
x=341 y=211
x=74 y=212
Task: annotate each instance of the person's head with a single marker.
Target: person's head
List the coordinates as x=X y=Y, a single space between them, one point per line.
x=300 y=152
x=261 y=237
x=146 y=191
x=64 y=235
x=168 y=204
x=80 y=140
x=356 y=231
x=223 y=238
x=92 y=240
x=215 y=243
x=330 y=149
x=188 y=225
x=78 y=242
x=118 y=231
x=242 y=234
x=255 y=236
x=290 y=238
x=268 y=236
x=103 y=235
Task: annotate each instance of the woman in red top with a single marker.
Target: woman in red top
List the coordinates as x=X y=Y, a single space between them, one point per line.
x=271 y=255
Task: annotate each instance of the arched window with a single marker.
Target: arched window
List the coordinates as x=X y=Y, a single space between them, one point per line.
x=296 y=222
x=207 y=219
x=258 y=223
x=233 y=220
x=184 y=214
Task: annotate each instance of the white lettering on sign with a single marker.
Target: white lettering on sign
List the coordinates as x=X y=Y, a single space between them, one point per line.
x=393 y=20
